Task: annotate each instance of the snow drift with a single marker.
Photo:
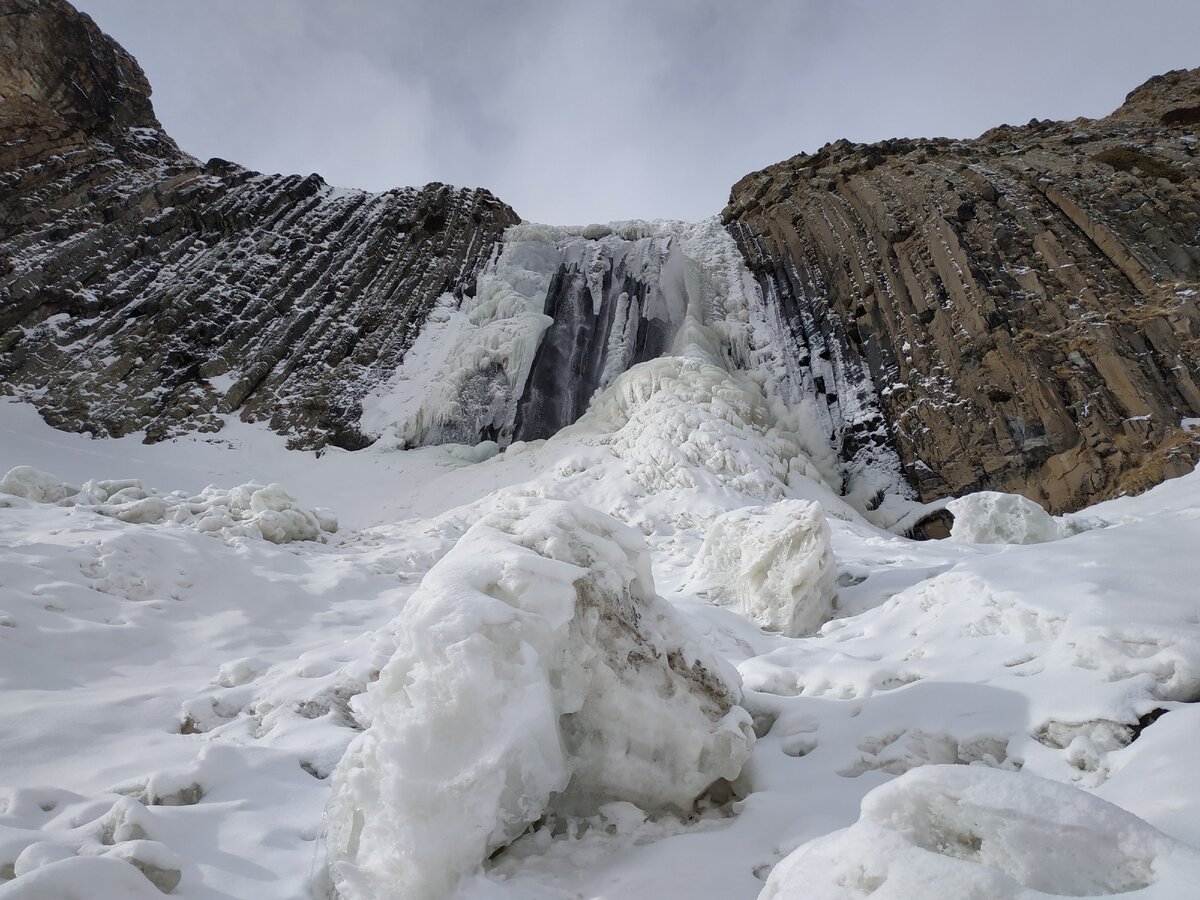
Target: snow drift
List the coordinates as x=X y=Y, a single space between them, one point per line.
x=536 y=673
x=774 y=564
x=974 y=832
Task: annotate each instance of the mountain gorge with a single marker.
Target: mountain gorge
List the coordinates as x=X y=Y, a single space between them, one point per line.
x=599 y=579
x=1015 y=312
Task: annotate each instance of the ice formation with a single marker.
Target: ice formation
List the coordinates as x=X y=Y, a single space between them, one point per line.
x=597 y=302
x=774 y=564
x=257 y=511
x=988 y=517
x=682 y=422
x=536 y=673
x=973 y=832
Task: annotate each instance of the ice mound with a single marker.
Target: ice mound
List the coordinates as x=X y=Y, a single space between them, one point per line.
x=536 y=673
x=774 y=564
x=261 y=512
x=681 y=420
x=973 y=832
x=988 y=517
x=33 y=484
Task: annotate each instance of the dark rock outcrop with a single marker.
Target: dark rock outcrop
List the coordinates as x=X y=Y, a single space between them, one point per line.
x=140 y=289
x=1023 y=309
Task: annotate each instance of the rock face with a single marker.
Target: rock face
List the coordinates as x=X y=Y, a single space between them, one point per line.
x=1017 y=312
x=140 y=289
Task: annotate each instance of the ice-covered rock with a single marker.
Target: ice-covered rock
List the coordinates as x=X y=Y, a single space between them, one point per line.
x=774 y=564
x=38 y=854
x=988 y=517
x=266 y=512
x=536 y=673
x=975 y=832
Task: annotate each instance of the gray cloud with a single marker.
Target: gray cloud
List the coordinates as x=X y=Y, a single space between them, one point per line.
x=577 y=111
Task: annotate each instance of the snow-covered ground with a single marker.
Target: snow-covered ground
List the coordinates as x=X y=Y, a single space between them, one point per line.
x=178 y=697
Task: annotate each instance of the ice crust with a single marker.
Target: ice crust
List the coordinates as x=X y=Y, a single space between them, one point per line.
x=973 y=832
x=773 y=564
x=262 y=512
x=989 y=517
x=536 y=673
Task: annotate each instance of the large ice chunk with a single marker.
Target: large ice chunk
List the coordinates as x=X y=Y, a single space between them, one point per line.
x=536 y=673
x=988 y=517
x=774 y=564
x=974 y=832
x=36 y=485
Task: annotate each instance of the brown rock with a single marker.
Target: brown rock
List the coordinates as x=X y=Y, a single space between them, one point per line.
x=1022 y=310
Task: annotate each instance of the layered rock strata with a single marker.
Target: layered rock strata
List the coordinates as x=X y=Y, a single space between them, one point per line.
x=143 y=290
x=1021 y=309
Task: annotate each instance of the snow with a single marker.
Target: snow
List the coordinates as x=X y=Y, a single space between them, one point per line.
x=683 y=422
x=954 y=831
x=264 y=512
x=1004 y=718
x=988 y=517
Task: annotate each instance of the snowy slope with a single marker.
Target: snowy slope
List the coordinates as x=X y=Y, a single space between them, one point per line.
x=180 y=699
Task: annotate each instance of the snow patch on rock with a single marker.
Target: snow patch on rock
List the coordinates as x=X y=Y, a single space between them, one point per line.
x=536 y=673
x=774 y=564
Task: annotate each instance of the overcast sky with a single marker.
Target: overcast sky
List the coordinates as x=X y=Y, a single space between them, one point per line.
x=575 y=112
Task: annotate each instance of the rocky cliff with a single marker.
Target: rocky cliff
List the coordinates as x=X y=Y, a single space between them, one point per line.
x=143 y=290
x=1017 y=312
